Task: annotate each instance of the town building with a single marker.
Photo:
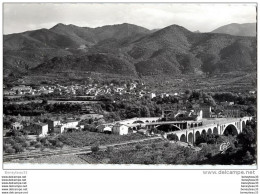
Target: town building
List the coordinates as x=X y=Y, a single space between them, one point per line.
x=120 y=129
x=52 y=123
x=40 y=129
x=70 y=124
x=206 y=111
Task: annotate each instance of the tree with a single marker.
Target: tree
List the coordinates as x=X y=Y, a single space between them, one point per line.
x=94 y=149
x=247 y=137
x=251 y=110
x=173 y=137
x=138 y=146
x=10 y=150
x=18 y=148
x=188 y=92
x=145 y=112
x=110 y=149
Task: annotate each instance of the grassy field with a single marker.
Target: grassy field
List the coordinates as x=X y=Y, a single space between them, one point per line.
x=64 y=159
x=152 y=152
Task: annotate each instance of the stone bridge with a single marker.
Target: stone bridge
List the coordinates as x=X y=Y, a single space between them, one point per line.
x=233 y=127
x=153 y=122
x=141 y=120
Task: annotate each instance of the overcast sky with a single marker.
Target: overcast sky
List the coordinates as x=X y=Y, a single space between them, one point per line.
x=21 y=17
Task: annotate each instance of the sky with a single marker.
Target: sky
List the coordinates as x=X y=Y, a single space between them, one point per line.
x=20 y=17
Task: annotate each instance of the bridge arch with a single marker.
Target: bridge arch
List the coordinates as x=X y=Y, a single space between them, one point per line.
x=230 y=130
x=215 y=131
x=197 y=134
x=243 y=125
x=183 y=138
x=168 y=127
x=190 y=137
x=209 y=132
x=139 y=121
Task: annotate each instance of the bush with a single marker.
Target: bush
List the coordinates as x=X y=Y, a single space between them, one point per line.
x=32 y=143
x=173 y=137
x=25 y=144
x=5 y=147
x=38 y=145
x=94 y=149
x=167 y=144
x=10 y=150
x=18 y=148
x=9 y=141
x=59 y=144
x=43 y=140
x=20 y=139
x=138 y=146
x=90 y=128
x=110 y=149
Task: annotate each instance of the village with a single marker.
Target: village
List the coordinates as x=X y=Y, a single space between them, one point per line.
x=89 y=90
x=88 y=114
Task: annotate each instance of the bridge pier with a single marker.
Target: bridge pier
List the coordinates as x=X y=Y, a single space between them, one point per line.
x=194 y=137
x=219 y=130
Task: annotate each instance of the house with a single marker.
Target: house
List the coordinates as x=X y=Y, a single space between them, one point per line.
x=40 y=129
x=22 y=89
x=198 y=115
x=120 y=129
x=59 y=129
x=70 y=124
x=16 y=126
x=52 y=123
x=152 y=95
x=9 y=92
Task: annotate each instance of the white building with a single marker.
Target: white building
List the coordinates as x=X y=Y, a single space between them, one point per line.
x=71 y=124
x=40 y=129
x=120 y=129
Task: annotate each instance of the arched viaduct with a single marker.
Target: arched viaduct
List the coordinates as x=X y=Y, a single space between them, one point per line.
x=233 y=127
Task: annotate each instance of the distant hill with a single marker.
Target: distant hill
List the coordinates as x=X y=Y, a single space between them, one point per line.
x=247 y=29
x=126 y=49
x=23 y=51
x=101 y=63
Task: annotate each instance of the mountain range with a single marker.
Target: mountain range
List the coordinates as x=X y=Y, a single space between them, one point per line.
x=127 y=49
x=246 y=29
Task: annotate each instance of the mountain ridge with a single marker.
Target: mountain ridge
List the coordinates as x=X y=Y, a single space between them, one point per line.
x=245 y=29
x=170 y=51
